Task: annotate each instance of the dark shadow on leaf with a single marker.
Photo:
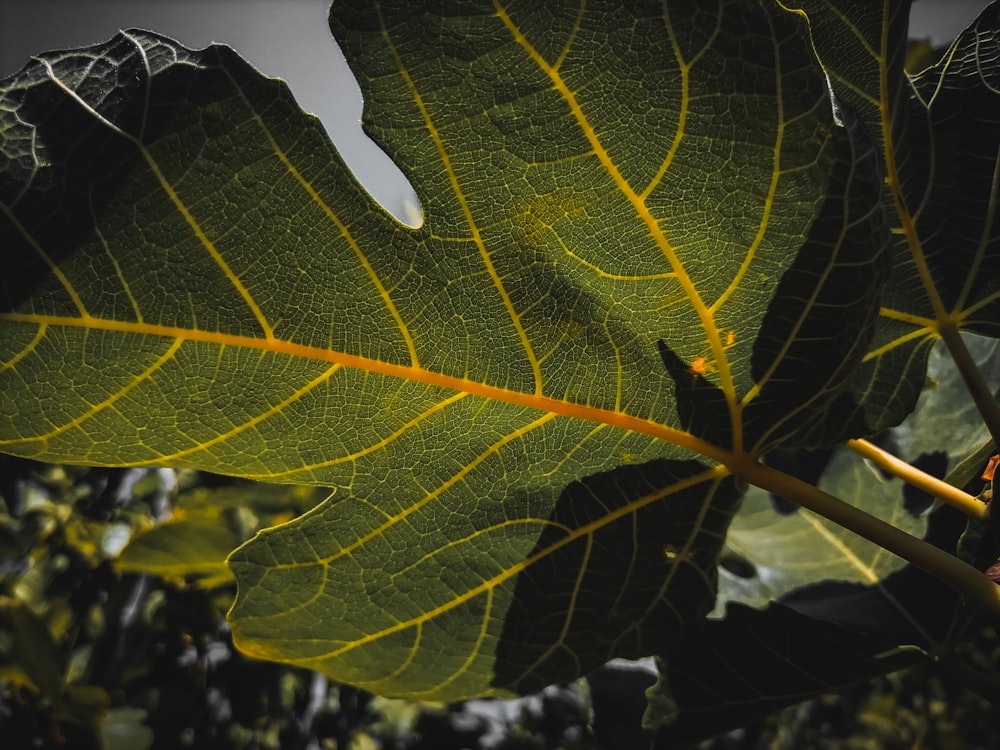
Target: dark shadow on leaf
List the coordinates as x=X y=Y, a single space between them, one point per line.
x=62 y=165
x=737 y=670
x=702 y=406
x=738 y=565
x=817 y=639
x=626 y=586
x=953 y=155
x=890 y=612
x=822 y=316
x=72 y=121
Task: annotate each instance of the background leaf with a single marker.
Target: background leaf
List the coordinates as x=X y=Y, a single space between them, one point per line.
x=941 y=156
x=193 y=544
x=800 y=548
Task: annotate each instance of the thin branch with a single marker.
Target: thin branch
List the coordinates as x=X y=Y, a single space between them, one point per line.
x=963 y=578
x=910 y=474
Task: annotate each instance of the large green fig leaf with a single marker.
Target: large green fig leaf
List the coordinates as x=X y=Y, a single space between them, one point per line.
x=650 y=253
x=940 y=145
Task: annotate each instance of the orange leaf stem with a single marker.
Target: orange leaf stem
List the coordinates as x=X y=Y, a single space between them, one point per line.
x=910 y=474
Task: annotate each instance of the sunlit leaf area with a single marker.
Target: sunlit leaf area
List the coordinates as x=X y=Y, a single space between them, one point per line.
x=672 y=423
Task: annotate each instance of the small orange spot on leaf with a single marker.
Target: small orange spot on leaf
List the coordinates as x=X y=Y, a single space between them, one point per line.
x=701 y=367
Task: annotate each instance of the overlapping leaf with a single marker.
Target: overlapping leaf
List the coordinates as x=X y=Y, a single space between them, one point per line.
x=940 y=140
x=798 y=549
x=787 y=552
x=615 y=271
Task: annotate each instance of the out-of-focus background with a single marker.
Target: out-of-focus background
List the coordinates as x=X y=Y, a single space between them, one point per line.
x=290 y=39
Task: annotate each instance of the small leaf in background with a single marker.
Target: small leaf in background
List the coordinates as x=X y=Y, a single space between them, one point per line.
x=30 y=651
x=124 y=729
x=194 y=543
x=30 y=656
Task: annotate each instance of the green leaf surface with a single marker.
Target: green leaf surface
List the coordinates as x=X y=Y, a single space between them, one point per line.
x=530 y=593
x=939 y=137
x=615 y=275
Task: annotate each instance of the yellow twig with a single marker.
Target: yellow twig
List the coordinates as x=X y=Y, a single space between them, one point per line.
x=963 y=578
x=945 y=492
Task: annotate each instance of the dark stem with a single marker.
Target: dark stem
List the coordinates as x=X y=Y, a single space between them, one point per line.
x=980 y=392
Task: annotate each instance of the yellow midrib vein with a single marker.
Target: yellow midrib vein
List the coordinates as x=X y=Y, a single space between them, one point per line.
x=818 y=525
x=704 y=313
x=459 y=192
x=402 y=371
